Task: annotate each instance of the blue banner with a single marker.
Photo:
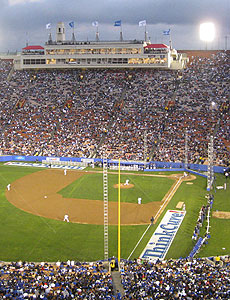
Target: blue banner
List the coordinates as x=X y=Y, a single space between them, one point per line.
x=117 y=23
x=71 y=24
x=166 y=32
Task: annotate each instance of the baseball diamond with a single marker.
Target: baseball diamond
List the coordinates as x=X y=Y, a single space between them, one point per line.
x=37 y=193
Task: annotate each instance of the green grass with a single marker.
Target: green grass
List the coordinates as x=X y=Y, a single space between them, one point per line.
x=194 y=198
x=33 y=238
x=90 y=186
x=219 y=243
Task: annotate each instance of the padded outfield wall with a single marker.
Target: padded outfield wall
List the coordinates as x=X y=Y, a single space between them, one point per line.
x=153 y=166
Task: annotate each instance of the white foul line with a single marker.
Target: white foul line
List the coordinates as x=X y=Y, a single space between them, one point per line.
x=162 y=206
x=139 y=241
x=169 y=195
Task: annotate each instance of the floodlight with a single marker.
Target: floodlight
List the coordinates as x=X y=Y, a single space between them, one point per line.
x=207 y=32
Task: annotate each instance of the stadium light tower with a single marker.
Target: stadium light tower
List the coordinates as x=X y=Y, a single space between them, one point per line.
x=210 y=177
x=106 y=210
x=207 y=32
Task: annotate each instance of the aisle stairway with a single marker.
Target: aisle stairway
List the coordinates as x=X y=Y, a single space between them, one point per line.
x=116 y=276
x=10 y=73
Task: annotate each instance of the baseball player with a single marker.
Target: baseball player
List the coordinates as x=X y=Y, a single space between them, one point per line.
x=66 y=218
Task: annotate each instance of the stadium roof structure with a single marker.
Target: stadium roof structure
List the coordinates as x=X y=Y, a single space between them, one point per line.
x=61 y=53
x=35 y=47
x=156 y=46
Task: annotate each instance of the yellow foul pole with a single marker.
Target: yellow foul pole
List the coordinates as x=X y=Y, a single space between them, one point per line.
x=119 y=214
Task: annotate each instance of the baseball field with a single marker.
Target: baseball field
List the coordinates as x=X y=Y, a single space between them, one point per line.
x=31 y=213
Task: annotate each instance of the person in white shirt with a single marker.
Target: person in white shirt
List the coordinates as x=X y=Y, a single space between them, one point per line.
x=66 y=218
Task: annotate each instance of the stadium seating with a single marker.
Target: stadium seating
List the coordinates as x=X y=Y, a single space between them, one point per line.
x=53 y=113
x=173 y=279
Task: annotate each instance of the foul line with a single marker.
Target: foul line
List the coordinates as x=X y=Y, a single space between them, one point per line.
x=139 y=241
x=170 y=195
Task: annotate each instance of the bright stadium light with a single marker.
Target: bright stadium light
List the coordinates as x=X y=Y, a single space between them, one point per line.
x=207 y=32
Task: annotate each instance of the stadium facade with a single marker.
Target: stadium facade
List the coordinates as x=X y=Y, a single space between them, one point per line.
x=98 y=54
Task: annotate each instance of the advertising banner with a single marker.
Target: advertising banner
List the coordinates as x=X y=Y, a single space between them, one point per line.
x=163 y=236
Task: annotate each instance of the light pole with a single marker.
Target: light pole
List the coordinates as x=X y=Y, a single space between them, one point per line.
x=226 y=173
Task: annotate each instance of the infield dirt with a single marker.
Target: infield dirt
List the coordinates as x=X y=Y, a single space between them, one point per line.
x=37 y=194
x=221 y=214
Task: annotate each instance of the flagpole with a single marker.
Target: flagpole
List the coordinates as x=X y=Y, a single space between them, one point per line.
x=145 y=34
x=119 y=215
x=170 y=40
x=97 y=34
x=121 y=37
x=72 y=25
x=50 y=37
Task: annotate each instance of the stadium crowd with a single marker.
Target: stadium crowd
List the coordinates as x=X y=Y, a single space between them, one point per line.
x=180 y=279
x=121 y=112
x=24 y=280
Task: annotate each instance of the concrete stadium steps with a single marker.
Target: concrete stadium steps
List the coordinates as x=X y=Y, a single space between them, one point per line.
x=116 y=276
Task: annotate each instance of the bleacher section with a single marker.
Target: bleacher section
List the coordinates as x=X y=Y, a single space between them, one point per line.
x=125 y=114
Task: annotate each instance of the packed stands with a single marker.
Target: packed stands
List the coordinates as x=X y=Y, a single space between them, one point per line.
x=172 y=279
x=176 y=279
x=22 y=280
x=88 y=112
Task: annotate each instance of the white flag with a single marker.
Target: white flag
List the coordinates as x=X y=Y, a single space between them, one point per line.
x=142 y=23
x=48 y=26
x=95 y=23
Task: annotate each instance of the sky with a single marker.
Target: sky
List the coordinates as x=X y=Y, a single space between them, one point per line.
x=24 y=21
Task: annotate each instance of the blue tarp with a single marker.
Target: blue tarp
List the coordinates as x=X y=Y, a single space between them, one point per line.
x=161 y=170
x=196 y=173
x=196 y=248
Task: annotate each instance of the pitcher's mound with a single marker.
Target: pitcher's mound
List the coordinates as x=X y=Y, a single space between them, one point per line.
x=124 y=186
